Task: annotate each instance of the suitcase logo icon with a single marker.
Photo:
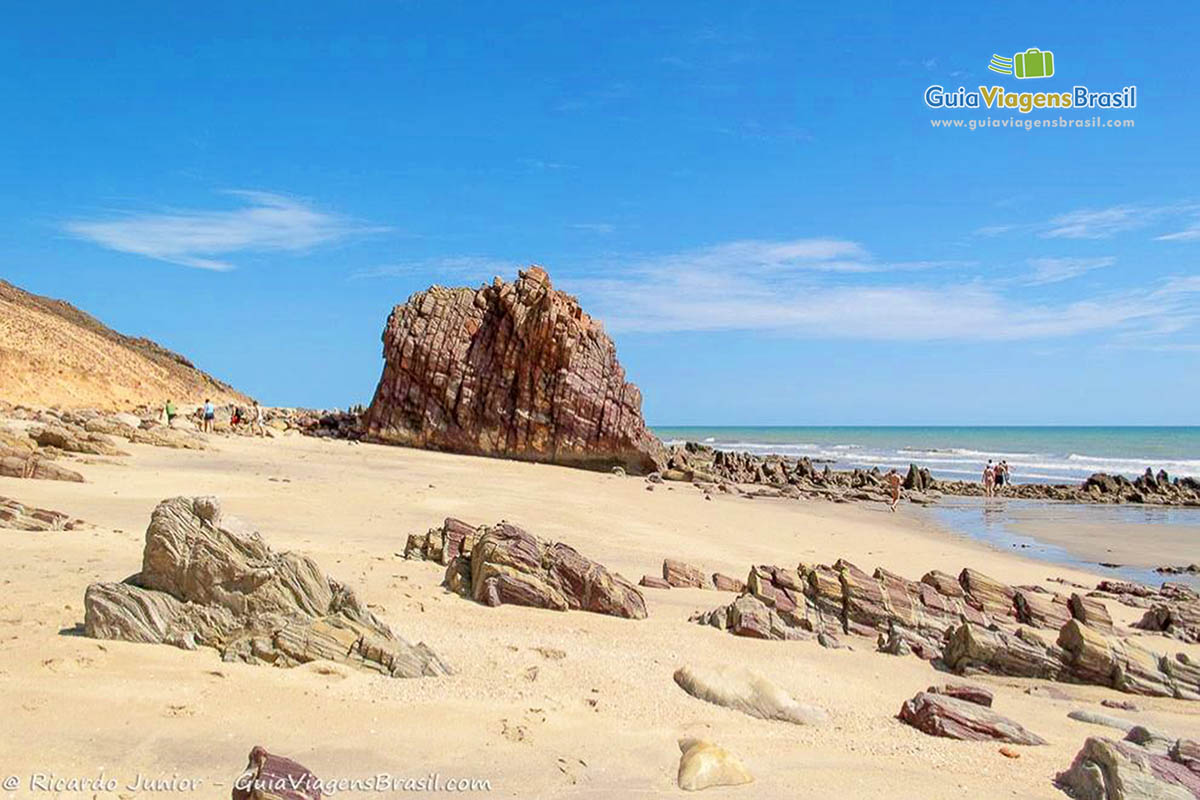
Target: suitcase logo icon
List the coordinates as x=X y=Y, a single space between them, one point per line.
x=1033 y=63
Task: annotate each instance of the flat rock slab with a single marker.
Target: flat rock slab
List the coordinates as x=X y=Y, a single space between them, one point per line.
x=942 y=715
x=746 y=691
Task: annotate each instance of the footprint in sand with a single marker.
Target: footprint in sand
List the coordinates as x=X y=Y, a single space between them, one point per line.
x=180 y=711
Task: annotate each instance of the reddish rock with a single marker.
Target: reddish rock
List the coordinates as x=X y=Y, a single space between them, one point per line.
x=271 y=777
x=942 y=715
x=972 y=694
x=724 y=583
x=1091 y=612
x=510 y=565
x=989 y=595
x=30 y=518
x=1041 y=610
x=652 y=582
x=681 y=574
x=1124 y=771
x=516 y=370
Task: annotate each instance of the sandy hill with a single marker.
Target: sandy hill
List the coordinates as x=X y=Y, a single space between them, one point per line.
x=53 y=354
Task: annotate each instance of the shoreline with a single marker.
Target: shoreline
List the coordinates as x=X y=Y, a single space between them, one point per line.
x=1081 y=536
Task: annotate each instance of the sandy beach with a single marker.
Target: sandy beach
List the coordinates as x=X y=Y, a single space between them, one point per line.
x=542 y=704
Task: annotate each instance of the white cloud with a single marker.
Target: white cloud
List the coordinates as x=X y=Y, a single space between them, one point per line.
x=1101 y=223
x=1105 y=223
x=790 y=288
x=1189 y=234
x=202 y=239
x=461 y=268
x=1054 y=270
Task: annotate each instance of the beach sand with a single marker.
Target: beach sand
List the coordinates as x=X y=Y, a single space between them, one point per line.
x=601 y=721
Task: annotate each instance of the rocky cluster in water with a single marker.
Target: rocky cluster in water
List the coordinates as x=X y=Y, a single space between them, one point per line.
x=783 y=476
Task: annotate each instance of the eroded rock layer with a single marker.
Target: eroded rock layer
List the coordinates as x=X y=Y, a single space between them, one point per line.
x=516 y=370
x=209 y=580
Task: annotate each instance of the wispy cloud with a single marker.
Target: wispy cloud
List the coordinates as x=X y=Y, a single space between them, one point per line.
x=1106 y=223
x=778 y=258
x=460 y=268
x=1054 y=270
x=204 y=239
x=794 y=288
x=593 y=227
x=1189 y=234
x=1100 y=223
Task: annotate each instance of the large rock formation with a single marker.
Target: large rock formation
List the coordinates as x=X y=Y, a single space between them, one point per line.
x=516 y=370
x=209 y=580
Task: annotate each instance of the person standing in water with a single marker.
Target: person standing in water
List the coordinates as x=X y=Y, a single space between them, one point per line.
x=893 y=482
x=989 y=479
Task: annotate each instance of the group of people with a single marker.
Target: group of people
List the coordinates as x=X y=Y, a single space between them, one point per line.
x=207 y=415
x=995 y=478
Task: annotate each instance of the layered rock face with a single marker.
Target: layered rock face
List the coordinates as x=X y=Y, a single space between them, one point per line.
x=30 y=518
x=504 y=564
x=515 y=370
x=1125 y=770
x=210 y=580
x=971 y=624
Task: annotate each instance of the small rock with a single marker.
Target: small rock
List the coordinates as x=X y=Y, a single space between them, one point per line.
x=703 y=764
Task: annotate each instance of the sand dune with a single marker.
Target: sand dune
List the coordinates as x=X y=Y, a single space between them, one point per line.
x=53 y=354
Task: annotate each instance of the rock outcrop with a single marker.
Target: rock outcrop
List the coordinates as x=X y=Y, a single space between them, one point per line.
x=515 y=370
x=30 y=518
x=703 y=764
x=1080 y=654
x=1123 y=770
x=209 y=580
x=504 y=564
x=746 y=691
x=786 y=476
x=955 y=718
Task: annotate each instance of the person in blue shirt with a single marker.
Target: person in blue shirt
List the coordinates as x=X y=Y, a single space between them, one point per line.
x=209 y=414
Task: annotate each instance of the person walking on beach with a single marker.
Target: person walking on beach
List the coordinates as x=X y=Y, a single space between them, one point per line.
x=989 y=479
x=169 y=410
x=209 y=414
x=893 y=482
x=256 y=421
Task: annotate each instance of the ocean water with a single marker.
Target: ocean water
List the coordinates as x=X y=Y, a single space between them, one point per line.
x=1034 y=454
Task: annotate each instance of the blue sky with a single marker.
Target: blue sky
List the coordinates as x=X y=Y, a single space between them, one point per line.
x=752 y=197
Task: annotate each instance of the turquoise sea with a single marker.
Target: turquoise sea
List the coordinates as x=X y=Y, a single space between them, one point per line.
x=1035 y=454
